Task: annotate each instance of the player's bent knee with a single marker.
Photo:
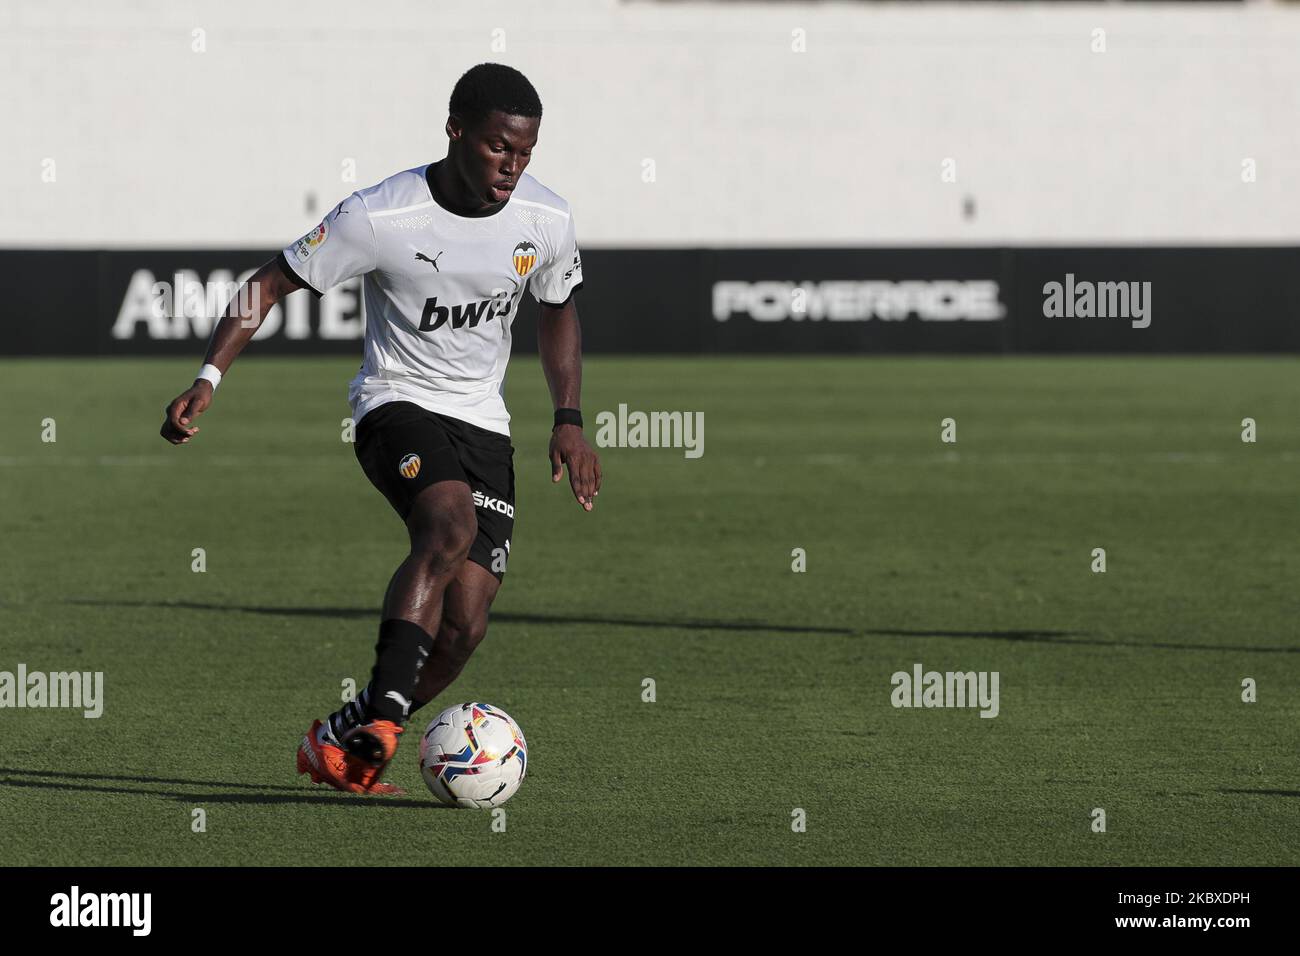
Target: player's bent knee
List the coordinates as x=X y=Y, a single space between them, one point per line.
x=445 y=549
x=462 y=636
x=442 y=528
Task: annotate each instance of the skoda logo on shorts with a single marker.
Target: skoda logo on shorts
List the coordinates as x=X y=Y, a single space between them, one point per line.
x=499 y=505
x=410 y=466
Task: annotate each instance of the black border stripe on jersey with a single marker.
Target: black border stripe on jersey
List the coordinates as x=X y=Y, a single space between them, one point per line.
x=292 y=276
x=561 y=305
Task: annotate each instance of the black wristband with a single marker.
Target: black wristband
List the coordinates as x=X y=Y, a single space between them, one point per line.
x=567 y=416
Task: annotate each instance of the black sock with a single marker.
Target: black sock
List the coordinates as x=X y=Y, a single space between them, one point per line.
x=400 y=654
x=352 y=714
x=355 y=713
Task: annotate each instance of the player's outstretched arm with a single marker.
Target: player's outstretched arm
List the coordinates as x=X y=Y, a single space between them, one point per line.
x=559 y=339
x=264 y=288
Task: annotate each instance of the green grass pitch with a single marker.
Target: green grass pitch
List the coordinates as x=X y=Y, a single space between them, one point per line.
x=1120 y=691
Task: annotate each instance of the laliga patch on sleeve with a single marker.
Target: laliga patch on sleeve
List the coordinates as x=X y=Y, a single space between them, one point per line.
x=304 y=247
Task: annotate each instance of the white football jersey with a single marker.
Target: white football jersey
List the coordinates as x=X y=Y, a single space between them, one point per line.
x=439 y=290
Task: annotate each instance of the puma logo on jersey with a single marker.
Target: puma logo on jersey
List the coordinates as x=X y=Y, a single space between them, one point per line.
x=433 y=262
x=435 y=316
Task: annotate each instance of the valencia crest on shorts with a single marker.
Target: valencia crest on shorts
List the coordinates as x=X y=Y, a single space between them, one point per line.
x=403 y=449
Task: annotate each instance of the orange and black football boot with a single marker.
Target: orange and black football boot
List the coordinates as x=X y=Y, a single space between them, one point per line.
x=368 y=750
x=329 y=764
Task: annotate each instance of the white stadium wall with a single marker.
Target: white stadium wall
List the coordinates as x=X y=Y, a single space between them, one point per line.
x=150 y=144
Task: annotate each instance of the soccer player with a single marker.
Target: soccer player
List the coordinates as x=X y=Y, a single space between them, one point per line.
x=445 y=252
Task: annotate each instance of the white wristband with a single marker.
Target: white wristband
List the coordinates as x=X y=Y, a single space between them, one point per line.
x=210 y=373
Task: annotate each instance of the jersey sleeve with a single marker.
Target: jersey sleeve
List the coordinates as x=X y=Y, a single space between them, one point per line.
x=342 y=246
x=562 y=275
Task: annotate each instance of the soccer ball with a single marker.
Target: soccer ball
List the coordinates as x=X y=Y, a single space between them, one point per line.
x=473 y=756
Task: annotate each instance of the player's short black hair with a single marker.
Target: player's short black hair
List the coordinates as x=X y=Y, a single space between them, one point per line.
x=493 y=86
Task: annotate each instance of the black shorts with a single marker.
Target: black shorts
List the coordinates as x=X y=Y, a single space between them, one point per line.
x=404 y=448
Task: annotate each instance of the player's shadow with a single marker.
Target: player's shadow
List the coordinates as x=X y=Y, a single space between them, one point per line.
x=372 y=613
x=1032 y=636
x=1078 y=637
x=128 y=778
x=514 y=617
x=57 y=780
